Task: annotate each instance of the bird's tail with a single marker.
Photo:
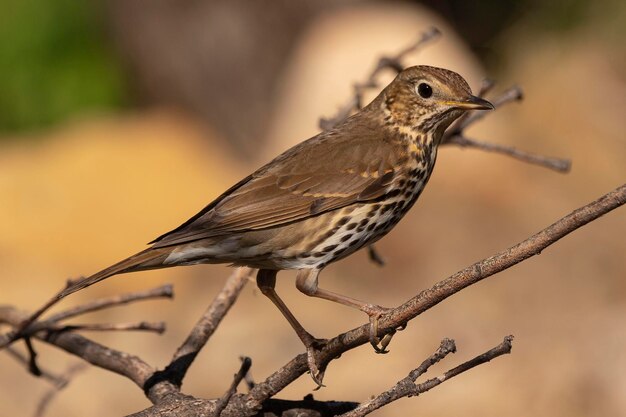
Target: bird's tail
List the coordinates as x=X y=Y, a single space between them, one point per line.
x=146 y=259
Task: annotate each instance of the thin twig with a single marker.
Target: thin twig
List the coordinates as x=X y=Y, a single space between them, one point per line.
x=96 y=354
x=51 y=324
x=508 y=96
x=164 y=291
x=408 y=388
x=556 y=164
x=387 y=62
x=455 y=135
x=67 y=376
x=223 y=401
x=33 y=368
x=157 y=327
x=375 y=256
x=56 y=380
x=248 y=376
x=440 y=291
x=202 y=330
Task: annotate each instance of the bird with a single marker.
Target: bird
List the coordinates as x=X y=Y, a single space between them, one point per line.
x=323 y=199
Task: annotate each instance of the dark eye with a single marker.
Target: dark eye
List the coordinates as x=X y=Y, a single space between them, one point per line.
x=424 y=90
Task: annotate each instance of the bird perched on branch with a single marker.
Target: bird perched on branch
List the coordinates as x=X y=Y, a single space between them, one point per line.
x=323 y=199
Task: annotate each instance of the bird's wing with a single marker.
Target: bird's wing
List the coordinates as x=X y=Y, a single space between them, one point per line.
x=324 y=173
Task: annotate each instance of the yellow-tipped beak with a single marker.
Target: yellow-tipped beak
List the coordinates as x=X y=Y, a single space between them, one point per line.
x=472 y=103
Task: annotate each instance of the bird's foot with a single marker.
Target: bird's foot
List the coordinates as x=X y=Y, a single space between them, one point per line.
x=313 y=347
x=375 y=312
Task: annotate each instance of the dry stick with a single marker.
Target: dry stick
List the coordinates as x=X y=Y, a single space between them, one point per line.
x=203 y=329
x=556 y=164
x=29 y=326
x=375 y=256
x=439 y=292
x=393 y=62
x=510 y=95
x=157 y=327
x=56 y=380
x=51 y=323
x=101 y=356
x=454 y=136
x=246 y=363
x=47 y=398
x=33 y=368
x=408 y=388
x=164 y=291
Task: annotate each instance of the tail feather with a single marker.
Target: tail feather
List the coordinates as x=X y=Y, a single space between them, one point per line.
x=147 y=259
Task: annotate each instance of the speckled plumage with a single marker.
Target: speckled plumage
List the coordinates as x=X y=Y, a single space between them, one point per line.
x=323 y=199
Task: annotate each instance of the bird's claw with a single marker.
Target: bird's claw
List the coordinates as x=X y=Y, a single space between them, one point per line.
x=312 y=348
x=379 y=344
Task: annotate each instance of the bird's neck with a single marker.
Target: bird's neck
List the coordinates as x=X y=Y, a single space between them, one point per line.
x=421 y=140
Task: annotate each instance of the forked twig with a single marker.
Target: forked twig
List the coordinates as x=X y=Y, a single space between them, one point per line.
x=176 y=370
x=164 y=291
x=407 y=387
x=157 y=327
x=393 y=62
x=30 y=326
x=246 y=363
x=49 y=395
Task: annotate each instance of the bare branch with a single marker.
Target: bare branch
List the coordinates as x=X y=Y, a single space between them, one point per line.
x=101 y=356
x=248 y=376
x=455 y=135
x=556 y=164
x=393 y=62
x=56 y=380
x=203 y=330
x=407 y=386
x=158 y=327
x=426 y=299
x=33 y=368
x=164 y=291
x=246 y=363
x=508 y=96
x=375 y=256
x=67 y=376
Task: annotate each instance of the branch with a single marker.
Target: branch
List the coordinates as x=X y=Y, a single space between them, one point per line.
x=426 y=299
x=101 y=356
x=31 y=326
x=157 y=327
x=49 y=395
x=556 y=164
x=164 y=291
x=407 y=386
x=455 y=134
x=56 y=380
x=243 y=371
x=391 y=62
x=205 y=327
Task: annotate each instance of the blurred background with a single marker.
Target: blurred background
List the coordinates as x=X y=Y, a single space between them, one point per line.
x=120 y=119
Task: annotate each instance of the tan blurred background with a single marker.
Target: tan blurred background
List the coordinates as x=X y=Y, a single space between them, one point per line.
x=119 y=120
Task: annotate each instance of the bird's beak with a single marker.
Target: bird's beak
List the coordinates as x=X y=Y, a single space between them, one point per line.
x=472 y=103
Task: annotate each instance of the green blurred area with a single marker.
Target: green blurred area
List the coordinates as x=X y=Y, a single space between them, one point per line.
x=57 y=60
x=54 y=62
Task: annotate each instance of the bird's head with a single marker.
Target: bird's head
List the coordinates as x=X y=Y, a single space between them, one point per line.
x=429 y=99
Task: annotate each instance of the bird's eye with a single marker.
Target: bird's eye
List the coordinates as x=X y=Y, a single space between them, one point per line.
x=424 y=90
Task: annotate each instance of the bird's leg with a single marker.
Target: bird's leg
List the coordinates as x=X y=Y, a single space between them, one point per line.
x=307 y=282
x=266 y=281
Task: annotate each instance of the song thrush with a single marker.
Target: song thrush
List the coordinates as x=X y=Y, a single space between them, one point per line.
x=323 y=199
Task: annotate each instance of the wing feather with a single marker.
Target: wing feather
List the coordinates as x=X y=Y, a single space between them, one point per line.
x=325 y=173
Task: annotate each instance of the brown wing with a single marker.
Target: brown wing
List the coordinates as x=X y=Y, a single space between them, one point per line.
x=325 y=173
